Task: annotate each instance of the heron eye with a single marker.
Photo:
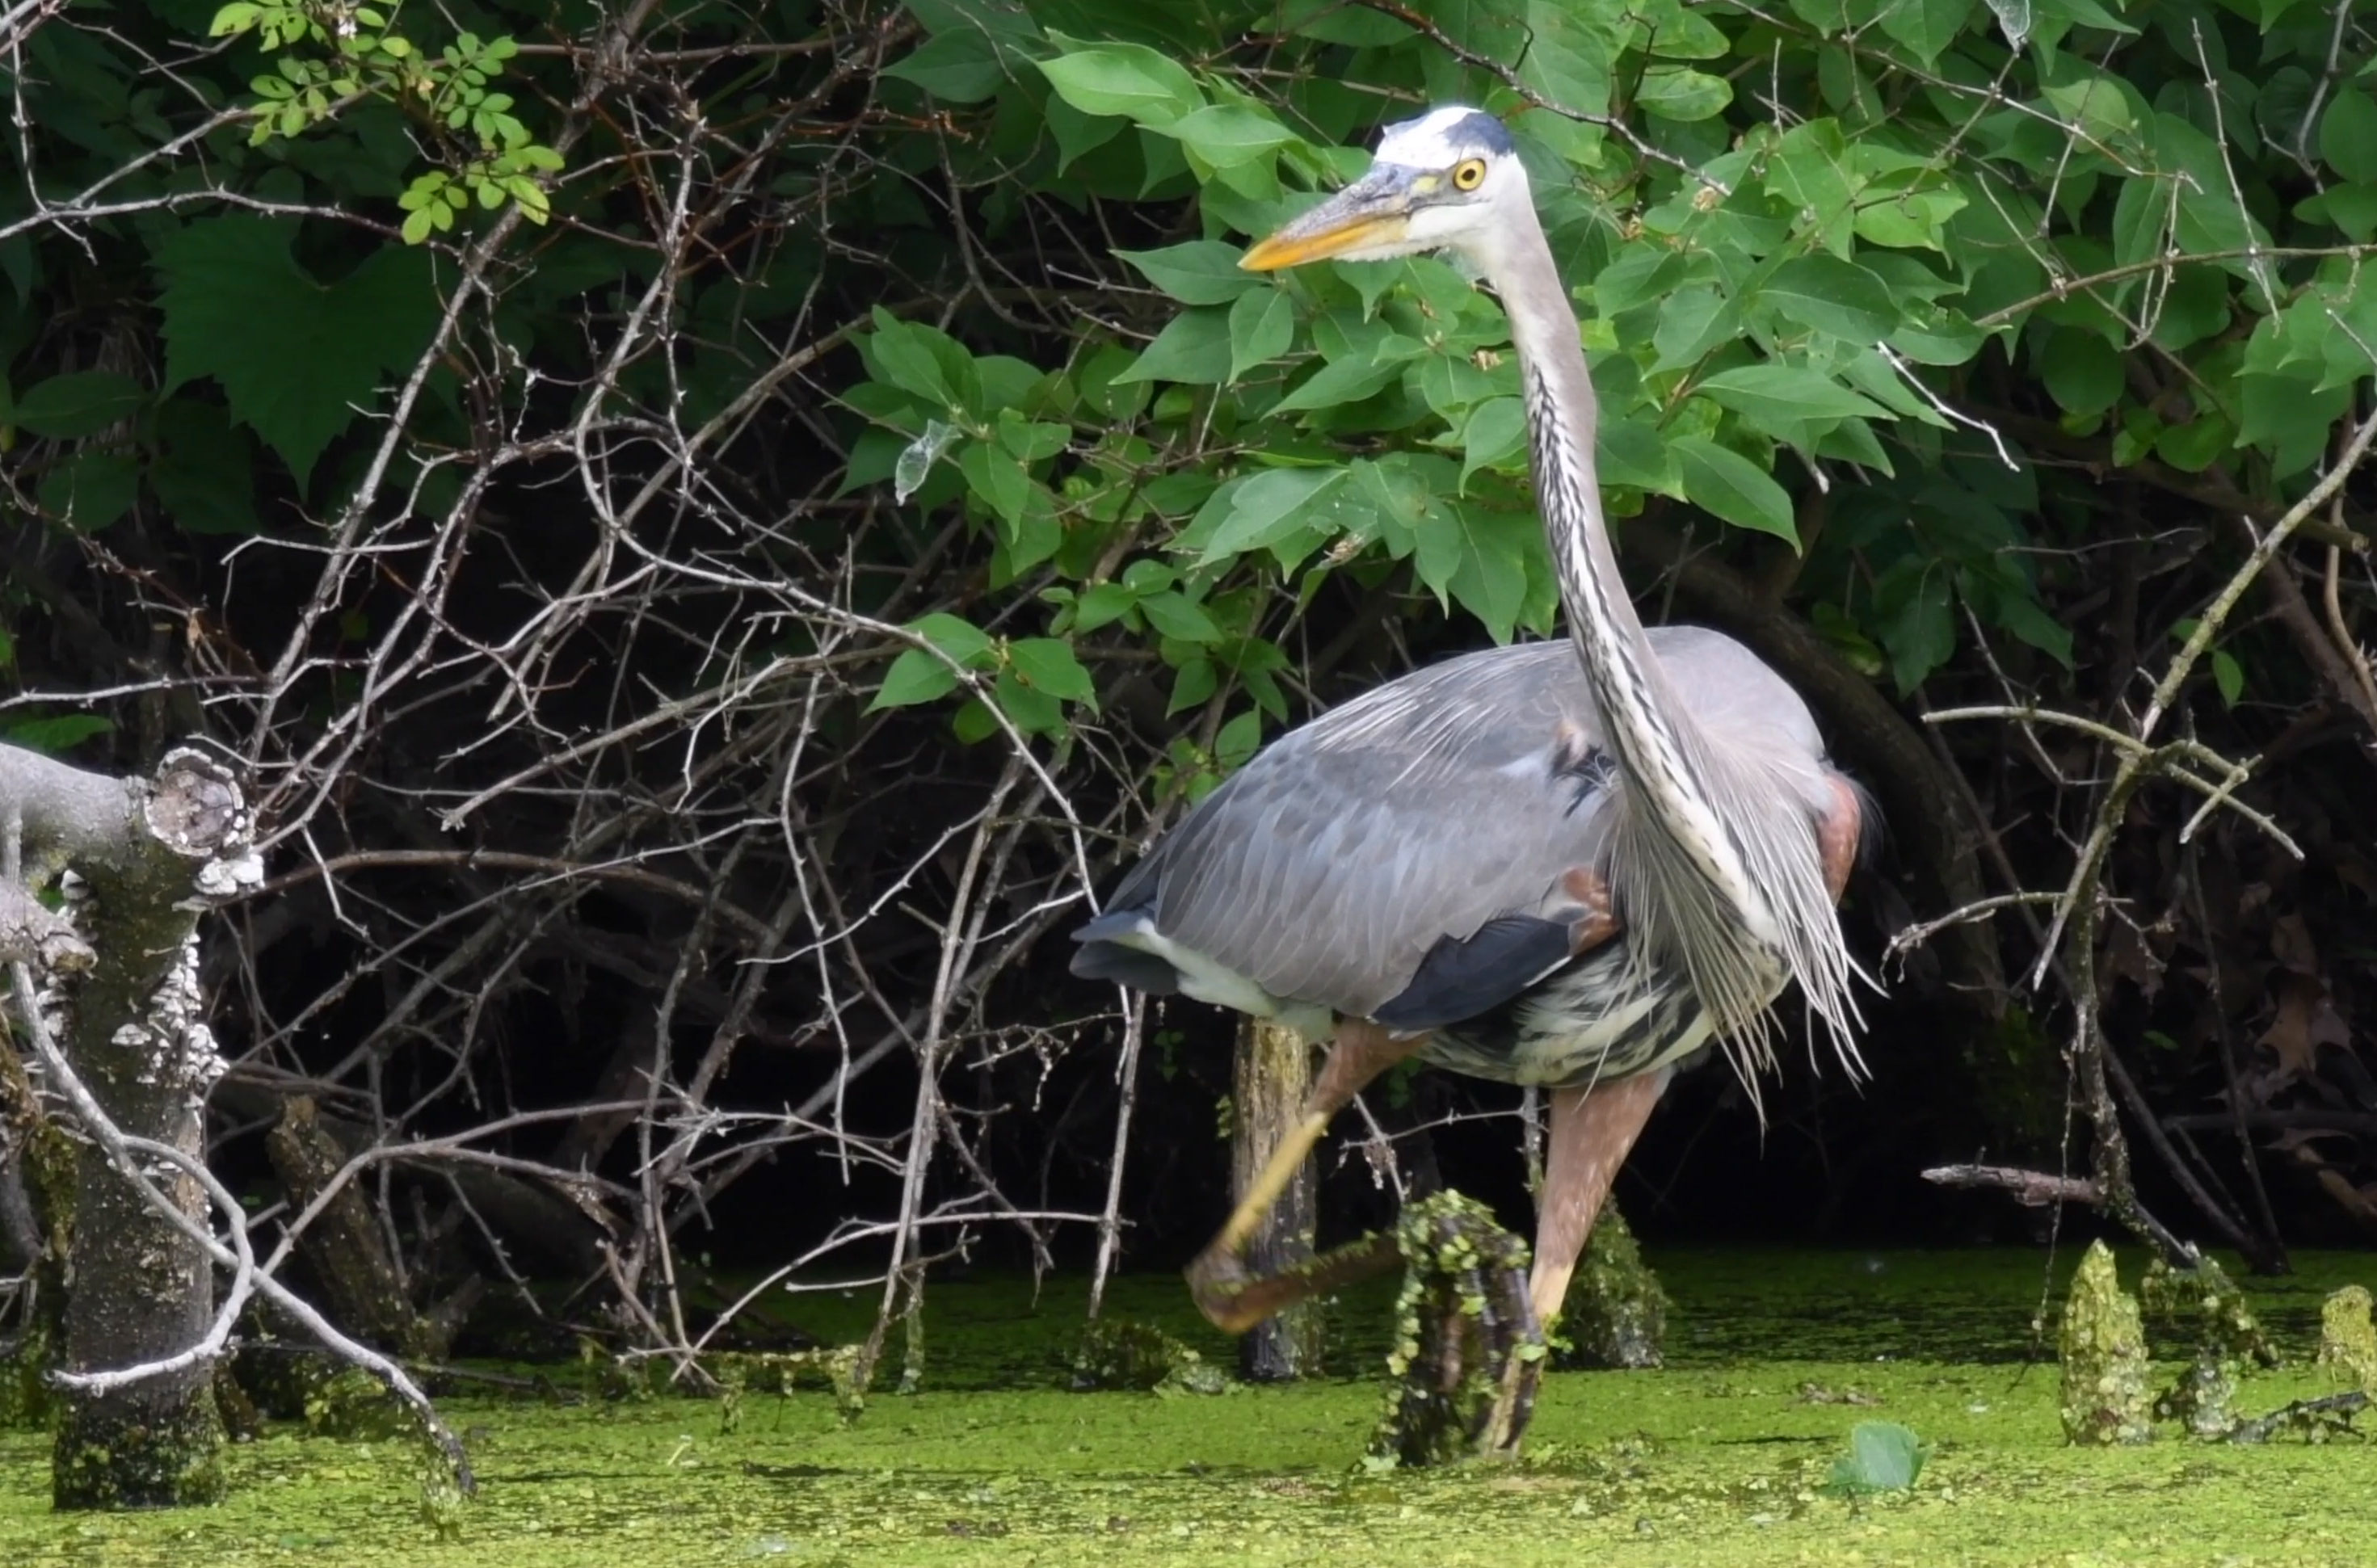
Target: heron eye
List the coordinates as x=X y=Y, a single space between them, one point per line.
x=1469 y=174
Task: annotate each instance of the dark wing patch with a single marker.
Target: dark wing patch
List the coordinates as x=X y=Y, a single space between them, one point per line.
x=1462 y=978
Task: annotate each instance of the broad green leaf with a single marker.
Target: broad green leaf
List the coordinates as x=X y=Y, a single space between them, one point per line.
x=1031 y=709
x=916 y=676
x=1269 y=507
x=1833 y=296
x=1195 y=348
x=297 y=357
x=53 y=736
x=1497 y=429
x=959 y=66
x=205 y=476
x=1227 y=135
x=2095 y=105
x=1337 y=383
x=1681 y=94
x=89 y=491
x=1102 y=604
x=80 y=403
x=996 y=477
x=1128 y=79
x=1046 y=664
x=1926 y=27
x=1201 y=272
x=1780 y=395
x=954 y=634
x=1262 y=326
x=1173 y=615
x=1719 y=479
x=1883 y=1456
x=2347 y=135
x=1238 y=740
x=1568 y=56
x=2082 y=370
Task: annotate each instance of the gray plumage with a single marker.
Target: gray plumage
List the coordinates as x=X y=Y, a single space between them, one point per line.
x=1404 y=856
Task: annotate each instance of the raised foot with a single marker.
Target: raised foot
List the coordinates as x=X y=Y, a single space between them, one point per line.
x=1468 y=1351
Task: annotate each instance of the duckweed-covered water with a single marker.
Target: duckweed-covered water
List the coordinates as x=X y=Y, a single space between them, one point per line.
x=1719 y=1460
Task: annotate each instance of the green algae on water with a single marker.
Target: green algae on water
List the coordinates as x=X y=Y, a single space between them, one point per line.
x=2104 y=1355
x=1118 y=1353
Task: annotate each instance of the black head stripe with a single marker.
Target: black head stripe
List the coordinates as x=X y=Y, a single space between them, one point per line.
x=1477 y=130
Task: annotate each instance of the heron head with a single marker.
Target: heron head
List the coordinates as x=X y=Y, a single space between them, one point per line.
x=1443 y=181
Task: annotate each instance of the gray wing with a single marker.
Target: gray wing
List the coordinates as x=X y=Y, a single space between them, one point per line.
x=1443 y=805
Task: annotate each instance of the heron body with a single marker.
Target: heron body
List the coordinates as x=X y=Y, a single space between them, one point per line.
x=1566 y=864
x=1402 y=858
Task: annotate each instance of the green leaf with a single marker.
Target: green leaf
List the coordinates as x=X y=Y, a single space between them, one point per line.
x=1227 y=135
x=80 y=403
x=1776 y=396
x=296 y=357
x=1128 y=79
x=1719 y=479
x=1194 y=348
x=89 y=491
x=2347 y=136
x=1262 y=326
x=54 y=735
x=954 y=634
x=1340 y=382
x=206 y=475
x=2082 y=370
x=1173 y=616
x=1046 y=664
x=1682 y=94
x=2228 y=676
x=1926 y=27
x=1238 y=740
x=993 y=474
x=1834 y=296
x=916 y=676
x=1202 y=272
x=1102 y=604
x=959 y=66
x=1883 y=1456
x=1269 y=507
x=1497 y=429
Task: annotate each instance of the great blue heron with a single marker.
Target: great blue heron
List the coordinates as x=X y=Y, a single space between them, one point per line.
x=1567 y=869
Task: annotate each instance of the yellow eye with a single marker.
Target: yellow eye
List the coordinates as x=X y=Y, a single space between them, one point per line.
x=1469 y=174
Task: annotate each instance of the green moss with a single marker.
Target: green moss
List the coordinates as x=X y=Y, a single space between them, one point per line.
x=1121 y=1353
x=1716 y=1461
x=2347 y=1342
x=2104 y=1353
x=1616 y=1315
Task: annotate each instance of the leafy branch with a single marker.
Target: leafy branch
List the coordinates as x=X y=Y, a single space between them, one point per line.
x=492 y=156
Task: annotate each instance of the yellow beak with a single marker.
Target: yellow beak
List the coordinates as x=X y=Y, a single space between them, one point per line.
x=1295 y=244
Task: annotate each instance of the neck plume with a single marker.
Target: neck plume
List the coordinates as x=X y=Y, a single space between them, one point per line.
x=1714 y=859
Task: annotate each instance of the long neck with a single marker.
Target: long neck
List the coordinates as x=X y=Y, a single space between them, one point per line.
x=1658 y=745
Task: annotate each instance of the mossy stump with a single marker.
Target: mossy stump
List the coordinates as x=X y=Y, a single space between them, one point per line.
x=2347 y=1341
x=1616 y=1314
x=113 y=1454
x=2105 y=1398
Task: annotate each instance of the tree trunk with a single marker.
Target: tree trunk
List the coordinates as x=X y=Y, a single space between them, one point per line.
x=135 y=861
x=1273 y=1075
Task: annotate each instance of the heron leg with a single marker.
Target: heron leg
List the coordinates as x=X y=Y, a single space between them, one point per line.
x=1592 y=1129
x=1236 y=1300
